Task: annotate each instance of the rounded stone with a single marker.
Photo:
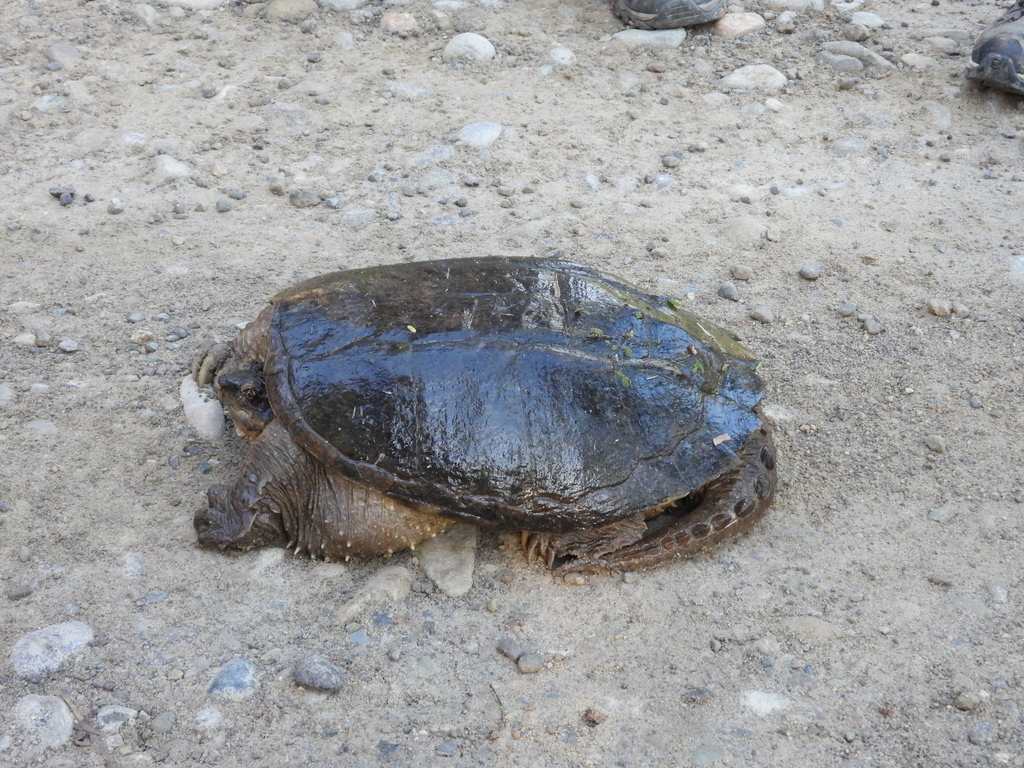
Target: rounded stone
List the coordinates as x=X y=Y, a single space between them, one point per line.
x=734 y=25
x=810 y=271
x=236 y=680
x=939 y=307
x=530 y=663
x=317 y=673
x=935 y=443
x=469 y=46
x=762 y=315
x=729 y=291
x=46 y=649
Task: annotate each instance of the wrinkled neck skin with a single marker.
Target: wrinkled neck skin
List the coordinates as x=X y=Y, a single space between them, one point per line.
x=283 y=497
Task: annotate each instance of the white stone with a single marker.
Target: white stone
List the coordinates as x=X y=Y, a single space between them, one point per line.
x=665 y=39
x=738 y=192
x=26 y=339
x=169 y=170
x=764 y=703
x=203 y=413
x=743 y=230
x=916 y=60
x=411 y=91
x=562 y=56
x=398 y=23
x=866 y=19
x=480 y=135
x=64 y=53
x=42 y=723
x=196 y=5
x=794 y=5
x=389 y=585
x=111 y=717
x=734 y=25
x=448 y=559
x=469 y=46
x=147 y=14
x=292 y=11
x=755 y=76
x=44 y=650
x=857 y=51
x=343 y=5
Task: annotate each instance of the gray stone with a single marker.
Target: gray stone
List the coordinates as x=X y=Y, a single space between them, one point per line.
x=343 y=5
x=729 y=291
x=63 y=53
x=389 y=585
x=469 y=46
x=303 y=198
x=935 y=443
x=983 y=733
x=810 y=271
x=840 y=62
x=939 y=307
x=510 y=648
x=235 y=681
x=357 y=217
x=110 y=718
x=448 y=559
x=849 y=48
x=46 y=649
x=163 y=723
x=115 y=207
x=917 y=61
x=41 y=723
x=871 y=325
x=317 y=673
x=530 y=663
x=663 y=39
x=743 y=230
x=869 y=20
x=70 y=346
x=208 y=718
x=762 y=315
x=941 y=514
x=741 y=272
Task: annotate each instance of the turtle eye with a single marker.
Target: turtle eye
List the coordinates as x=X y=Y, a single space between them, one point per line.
x=251 y=392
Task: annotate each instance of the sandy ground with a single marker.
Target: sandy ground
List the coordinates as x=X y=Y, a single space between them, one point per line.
x=884 y=585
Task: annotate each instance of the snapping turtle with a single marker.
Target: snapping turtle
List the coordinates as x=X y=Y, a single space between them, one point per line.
x=613 y=429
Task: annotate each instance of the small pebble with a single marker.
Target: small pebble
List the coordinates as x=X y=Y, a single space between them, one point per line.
x=163 y=723
x=967 y=701
x=872 y=326
x=18 y=591
x=469 y=46
x=974 y=401
x=46 y=649
x=960 y=310
x=941 y=514
x=115 y=207
x=235 y=681
x=935 y=443
x=983 y=733
x=810 y=271
x=223 y=206
x=939 y=307
x=317 y=673
x=303 y=198
x=510 y=648
x=729 y=291
x=762 y=315
x=848 y=310
x=530 y=663
x=593 y=717
x=447 y=748
x=741 y=272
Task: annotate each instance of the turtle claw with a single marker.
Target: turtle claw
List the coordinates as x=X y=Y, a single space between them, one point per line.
x=208 y=362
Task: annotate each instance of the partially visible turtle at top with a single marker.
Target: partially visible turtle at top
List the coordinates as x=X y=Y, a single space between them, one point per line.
x=613 y=429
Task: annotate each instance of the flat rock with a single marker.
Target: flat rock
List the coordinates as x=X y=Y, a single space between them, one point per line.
x=202 y=412
x=448 y=559
x=849 y=48
x=235 y=681
x=317 y=673
x=389 y=585
x=734 y=25
x=840 y=62
x=46 y=649
x=292 y=11
x=664 y=39
x=169 y=170
x=867 y=19
x=469 y=46
x=755 y=77
x=480 y=135
x=40 y=723
x=917 y=60
x=63 y=53
x=743 y=229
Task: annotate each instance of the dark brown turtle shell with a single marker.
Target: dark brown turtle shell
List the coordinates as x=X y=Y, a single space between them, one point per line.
x=533 y=394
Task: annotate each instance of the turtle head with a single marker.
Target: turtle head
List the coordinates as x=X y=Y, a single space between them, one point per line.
x=244 y=393
x=224 y=524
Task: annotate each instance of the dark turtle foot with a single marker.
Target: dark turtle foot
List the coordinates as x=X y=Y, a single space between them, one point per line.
x=723 y=509
x=208 y=361
x=998 y=56
x=668 y=14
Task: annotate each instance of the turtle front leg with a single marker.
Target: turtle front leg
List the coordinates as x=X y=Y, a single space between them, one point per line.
x=730 y=505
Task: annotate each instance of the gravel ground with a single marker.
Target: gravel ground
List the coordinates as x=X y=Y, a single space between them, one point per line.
x=851 y=206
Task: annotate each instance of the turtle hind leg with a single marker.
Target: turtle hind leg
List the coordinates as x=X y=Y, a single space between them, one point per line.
x=587 y=545
x=728 y=506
